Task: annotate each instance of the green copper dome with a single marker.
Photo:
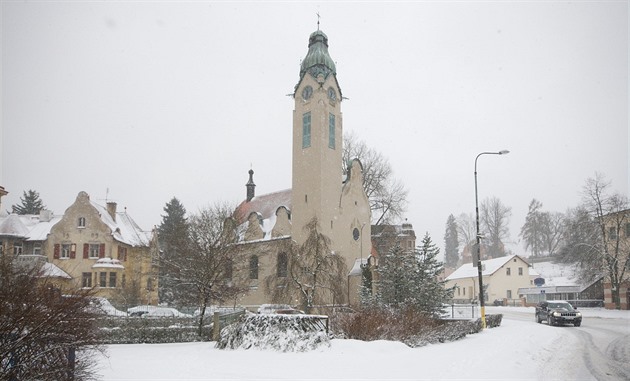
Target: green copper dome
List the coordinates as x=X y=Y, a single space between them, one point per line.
x=317 y=60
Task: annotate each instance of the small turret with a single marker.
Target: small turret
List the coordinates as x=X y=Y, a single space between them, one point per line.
x=250 y=186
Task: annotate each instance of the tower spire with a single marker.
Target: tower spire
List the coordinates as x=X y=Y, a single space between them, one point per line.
x=318 y=16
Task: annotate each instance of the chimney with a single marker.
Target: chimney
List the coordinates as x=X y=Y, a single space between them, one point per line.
x=250 y=186
x=45 y=215
x=111 y=209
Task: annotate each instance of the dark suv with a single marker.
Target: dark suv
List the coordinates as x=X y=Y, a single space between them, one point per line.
x=557 y=312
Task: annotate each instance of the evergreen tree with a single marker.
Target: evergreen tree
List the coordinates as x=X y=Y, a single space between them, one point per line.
x=30 y=203
x=451 y=243
x=397 y=272
x=173 y=238
x=409 y=279
x=430 y=293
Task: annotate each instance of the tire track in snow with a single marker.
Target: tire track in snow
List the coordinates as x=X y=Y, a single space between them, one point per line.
x=609 y=365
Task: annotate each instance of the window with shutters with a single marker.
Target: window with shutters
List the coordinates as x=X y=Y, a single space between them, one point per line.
x=95 y=249
x=122 y=253
x=65 y=251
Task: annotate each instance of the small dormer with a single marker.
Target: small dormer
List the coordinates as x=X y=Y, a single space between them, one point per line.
x=282 y=226
x=254 y=227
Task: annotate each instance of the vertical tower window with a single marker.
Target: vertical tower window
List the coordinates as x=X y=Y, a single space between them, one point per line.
x=306 y=130
x=253 y=267
x=331 y=131
x=282 y=265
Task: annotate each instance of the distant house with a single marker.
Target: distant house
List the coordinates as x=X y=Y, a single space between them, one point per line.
x=560 y=283
x=502 y=278
x=618 y=239
x=89 y=246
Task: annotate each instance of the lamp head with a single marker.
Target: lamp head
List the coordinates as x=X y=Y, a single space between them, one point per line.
x=504 y=152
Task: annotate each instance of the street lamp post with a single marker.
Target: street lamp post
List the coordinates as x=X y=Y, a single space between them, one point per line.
x=482 y=303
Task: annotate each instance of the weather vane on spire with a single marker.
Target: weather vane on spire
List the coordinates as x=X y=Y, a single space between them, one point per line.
x=318 y=20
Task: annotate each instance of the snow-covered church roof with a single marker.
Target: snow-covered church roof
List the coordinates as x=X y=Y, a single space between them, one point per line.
x=266 y=206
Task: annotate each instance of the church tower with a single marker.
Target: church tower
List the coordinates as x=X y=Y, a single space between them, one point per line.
x=317 y=141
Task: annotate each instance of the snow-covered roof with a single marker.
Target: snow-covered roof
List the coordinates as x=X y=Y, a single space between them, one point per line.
x=266 y=207
x=31 y=227
x=356 y=268
x=124 y=228
x=12 y=225
x=108 y=263
x=49 y=270
x=556 y=274
x=489 y=266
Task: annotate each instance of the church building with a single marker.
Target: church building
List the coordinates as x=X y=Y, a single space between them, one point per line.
x=320 y=190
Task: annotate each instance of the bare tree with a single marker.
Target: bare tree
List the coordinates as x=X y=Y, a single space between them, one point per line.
x=314 y=274
x=44 y=334
x=553 y=234
x=542 y=231
x=206 y=272
x=495 y=220
x=611 y=251
x=388 y=196
x=466 y=229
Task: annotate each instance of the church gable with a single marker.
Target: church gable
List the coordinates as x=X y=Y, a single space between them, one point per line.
x=272 y=215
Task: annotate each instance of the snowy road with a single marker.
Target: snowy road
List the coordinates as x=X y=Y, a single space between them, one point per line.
x=599 y=349
x=519 y=349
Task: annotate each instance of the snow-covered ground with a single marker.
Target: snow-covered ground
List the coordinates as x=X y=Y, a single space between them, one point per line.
x=519 y=349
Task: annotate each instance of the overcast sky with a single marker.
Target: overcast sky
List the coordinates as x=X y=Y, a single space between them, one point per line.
x=151 y=100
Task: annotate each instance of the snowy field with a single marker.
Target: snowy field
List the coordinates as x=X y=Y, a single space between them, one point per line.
x=519 y=349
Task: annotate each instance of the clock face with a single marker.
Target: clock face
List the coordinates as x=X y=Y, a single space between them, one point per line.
x=307 y=92
x=355 y=234
x=332 y=95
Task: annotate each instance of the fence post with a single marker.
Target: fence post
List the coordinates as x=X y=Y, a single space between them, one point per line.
x=216 y=327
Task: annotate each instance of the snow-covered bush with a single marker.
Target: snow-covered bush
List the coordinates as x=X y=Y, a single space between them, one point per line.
x=284 y=333
x=407 y=326
x=131 y=330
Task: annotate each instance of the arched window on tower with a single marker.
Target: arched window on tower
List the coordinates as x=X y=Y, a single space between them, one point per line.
x=282 y=265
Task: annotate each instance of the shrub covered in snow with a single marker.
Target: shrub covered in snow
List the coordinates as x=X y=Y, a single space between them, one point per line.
x=407 y=326
x=133 y=330
x=285 y=333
